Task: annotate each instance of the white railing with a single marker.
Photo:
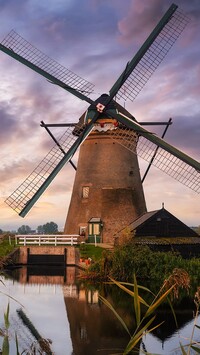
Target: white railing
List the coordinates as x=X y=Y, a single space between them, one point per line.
x=46 y=239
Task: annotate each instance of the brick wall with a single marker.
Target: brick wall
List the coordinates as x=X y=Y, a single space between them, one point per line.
x=72 y=254
x=115 y=191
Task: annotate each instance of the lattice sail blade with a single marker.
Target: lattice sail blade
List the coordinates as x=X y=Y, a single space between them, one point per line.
x=21 y=50
x=25 y=196
x=170 y=164
x=164 y=160
x=150 y=55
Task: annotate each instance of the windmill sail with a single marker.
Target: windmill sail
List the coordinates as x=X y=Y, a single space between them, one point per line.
x=150 y=55
x=17 y=47
x=168 y=158
x=25 y=196
x=131 y=81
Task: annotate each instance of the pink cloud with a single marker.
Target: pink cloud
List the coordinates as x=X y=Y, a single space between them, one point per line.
x=140 y=19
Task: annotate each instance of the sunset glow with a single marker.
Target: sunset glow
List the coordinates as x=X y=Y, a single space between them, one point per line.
x=94 y=39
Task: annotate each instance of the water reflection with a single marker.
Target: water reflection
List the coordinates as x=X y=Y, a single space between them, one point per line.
x=93 y=328
x=66 y=311
x=166 y=339
x=171 y=345
x=44 y=306
x=62 y=310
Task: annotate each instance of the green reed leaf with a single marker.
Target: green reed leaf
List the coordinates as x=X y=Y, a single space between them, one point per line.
x=183 y=350
x=156 y=304
x=196 y=349
x=131 y=293
x=115 y=313
x=6 y=317
x=5 y=347
x=136 y=302
x=136 y=337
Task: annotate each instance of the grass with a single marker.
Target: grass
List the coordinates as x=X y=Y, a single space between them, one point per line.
x=5 y=247
x=90 y=251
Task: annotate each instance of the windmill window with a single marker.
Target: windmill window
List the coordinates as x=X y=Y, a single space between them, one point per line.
x=85 y=191
x=82 y=231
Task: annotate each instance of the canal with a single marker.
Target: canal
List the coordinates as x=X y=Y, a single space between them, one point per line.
x=55 y=305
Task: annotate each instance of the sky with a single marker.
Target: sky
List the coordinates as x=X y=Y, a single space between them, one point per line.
x=95 y=39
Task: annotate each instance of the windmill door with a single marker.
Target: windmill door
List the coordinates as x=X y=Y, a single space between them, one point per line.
x=94 y=230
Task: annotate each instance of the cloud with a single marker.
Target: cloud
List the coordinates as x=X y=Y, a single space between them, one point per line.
x=95 y=39
x=139 y=20
x=8 y=125
x=142 y=16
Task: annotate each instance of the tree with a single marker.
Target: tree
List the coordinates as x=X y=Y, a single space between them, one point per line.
x=24 y=229
x=1 y=232
x=50 y=228
x=40 y=229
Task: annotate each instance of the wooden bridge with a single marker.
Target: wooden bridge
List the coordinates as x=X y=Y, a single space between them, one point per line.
x=43 y=249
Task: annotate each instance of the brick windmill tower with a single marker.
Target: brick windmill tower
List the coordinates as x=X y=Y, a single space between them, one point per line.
x=107 y=193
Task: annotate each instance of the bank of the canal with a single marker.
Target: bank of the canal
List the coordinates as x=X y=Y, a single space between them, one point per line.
x=148 y=258
x=82 y=305
x=82 y=255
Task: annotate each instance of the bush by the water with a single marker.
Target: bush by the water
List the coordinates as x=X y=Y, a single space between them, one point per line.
x=129 y=259
x=7 y=244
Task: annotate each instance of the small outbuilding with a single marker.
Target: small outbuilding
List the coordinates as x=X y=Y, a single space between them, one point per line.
x=163 y=232
x=160 y=223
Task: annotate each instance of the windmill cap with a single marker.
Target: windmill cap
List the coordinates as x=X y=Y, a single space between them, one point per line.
x=102 y=100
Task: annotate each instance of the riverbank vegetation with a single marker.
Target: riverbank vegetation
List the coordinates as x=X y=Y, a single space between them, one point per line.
x=132 y=263
x=7 y=245
x=129 y=258
x=145 y=310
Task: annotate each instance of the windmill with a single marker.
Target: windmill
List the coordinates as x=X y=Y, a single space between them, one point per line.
x=107 y=193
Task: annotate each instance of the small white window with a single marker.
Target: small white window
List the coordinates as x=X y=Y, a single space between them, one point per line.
x=85 y=191
x=83 y=231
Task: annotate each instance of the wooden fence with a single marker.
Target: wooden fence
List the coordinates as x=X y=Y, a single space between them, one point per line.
x=46 y=239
